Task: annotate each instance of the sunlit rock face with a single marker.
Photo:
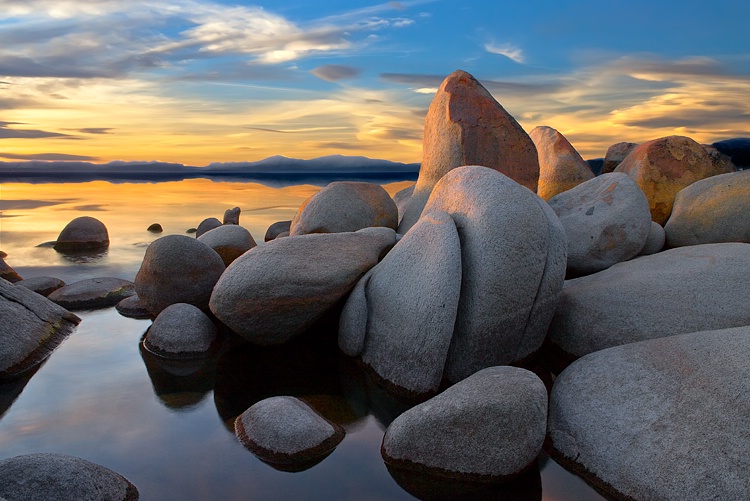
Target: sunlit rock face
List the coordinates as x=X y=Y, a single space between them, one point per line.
x=62 y=478
x=488 y=426
x=513 y=259
x=615 y=155
x=465 y=125
x=32 y=327
x=663 y=167
x=8 y=273
x=712 y=210
x=275 y=291
x=659 y=419
x=230 y=241
x=345 y=206
x=82 y=234
x=561 y=167
x=606 y=220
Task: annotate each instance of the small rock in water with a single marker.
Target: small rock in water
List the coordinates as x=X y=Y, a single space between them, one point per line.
x=232 y=216
x=83 y=234
x=132 y=307
x=277 y=228
x=59 y=477
x=155 y=228
x=207 y=224
x=181 y=331
x=230 y=241
x=285 y=431
x=93 y=293
x=8 y=273
x=42 y=285
x=190 y=231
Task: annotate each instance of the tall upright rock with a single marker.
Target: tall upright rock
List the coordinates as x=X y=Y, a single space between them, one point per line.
x=561 y=167
x=465 y=125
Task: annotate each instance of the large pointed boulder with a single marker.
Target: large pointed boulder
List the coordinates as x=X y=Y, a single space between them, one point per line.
x=561 y=167
x=465 y=125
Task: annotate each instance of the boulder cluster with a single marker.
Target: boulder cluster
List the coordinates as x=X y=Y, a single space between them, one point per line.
x=508 y=253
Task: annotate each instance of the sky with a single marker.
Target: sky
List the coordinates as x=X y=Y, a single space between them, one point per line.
x=196 y=82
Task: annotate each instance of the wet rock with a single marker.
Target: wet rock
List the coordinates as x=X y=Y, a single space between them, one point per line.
x=155 y=228
x=230 y=241
x=663 y=167
x=345 y=206
x=275 y=291
x=615 y=155
x=83 y=234
x=93 y=293
x=561 y=167
x=32 y=328
x=512 y=267
x=181 y=331
x=46 y=476
x=207 y=224
x=401 y=198
x=659 y=419
x=676 y=291
x=177 y=269
x=42 y=285
x=491 y=425
x=738 y=149
x=132 y=307
x=655 y=241
x=466 y=126
x=712 y=210
x=606 y=220
x=277 y=228
x=232 y=216
x=400 y=316
x=8 y=273
x=285 y=430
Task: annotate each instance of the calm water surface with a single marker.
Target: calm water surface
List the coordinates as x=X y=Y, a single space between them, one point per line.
x=168 y=427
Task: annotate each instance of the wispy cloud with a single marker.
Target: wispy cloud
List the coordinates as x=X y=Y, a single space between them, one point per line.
x=8 y=133
x=506 y=49
x=46 y=156
x=335 y=72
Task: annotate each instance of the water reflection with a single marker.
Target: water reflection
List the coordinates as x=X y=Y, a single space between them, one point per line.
x=97 y=256
x=11 y=389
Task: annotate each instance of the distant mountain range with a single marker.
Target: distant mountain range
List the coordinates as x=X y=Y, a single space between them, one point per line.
x=276 y=170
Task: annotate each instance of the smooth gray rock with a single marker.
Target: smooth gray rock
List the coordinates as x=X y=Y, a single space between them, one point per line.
x=491 y=425
x=276 y=290
x=8 y=273
x=681 y=290
x=401 y=198
x=277 y=228
x=177 y=269
x=400 y=320
x=281 y=430
x=655 y=241
x=181 y=330
x=207 y=224
x=512 y=267
x=712 y=210
x=132 y=307
x=606 y=219
x=45 y=477
x=93 y=293
x=230 y=241
x=660 y=419
x=32 y=327
x=345 y=206
x=42 y=285
x=82 y=234
x=232 y=216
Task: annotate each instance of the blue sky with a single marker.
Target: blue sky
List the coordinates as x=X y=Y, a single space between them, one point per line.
x=197 y=81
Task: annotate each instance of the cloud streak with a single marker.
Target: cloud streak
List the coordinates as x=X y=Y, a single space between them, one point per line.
x=506 y=49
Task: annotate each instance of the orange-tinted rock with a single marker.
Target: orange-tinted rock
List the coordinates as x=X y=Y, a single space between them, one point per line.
x=561 y=167
x=721 y=161
x=8 y=273
x=663 y=167
x=615 y=155
x=465 y=125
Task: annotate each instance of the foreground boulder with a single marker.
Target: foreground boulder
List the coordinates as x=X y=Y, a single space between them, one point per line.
x=400 y=316
x=615 y=155
x=82 y=234
x=465 y=125
x=512 y=267
x=606 y=220
x=177 y=269
x=93 y=293
x=712 y=210
x=32 y=327
x=275 y=291
x=230 y=241
x=561 y=167
x=659 y=419
x=688 y=289
x=663 y=167
x=285 y=431
x=62 y=478
x=181 y=331
x=489 y=426
x=345 y=206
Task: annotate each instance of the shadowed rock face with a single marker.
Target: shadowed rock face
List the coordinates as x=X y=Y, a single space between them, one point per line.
x=465 y=125
x=561 y=167
x=615 y=155
x=230 y=241
x=8 y=273
x=276 y=229
x=83 y=234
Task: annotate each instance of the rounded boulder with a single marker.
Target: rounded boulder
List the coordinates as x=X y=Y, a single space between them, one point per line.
x=82 y=234
x=230 y=241
x=180 y=331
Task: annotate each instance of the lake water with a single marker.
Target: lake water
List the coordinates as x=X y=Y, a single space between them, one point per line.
x=167 y=427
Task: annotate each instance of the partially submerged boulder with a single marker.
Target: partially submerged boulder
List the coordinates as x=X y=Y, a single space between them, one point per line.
x=42 y=285
x=132 y=307
x=83 y=234
x=181 y=331
x=561 y=167
x=93 y=293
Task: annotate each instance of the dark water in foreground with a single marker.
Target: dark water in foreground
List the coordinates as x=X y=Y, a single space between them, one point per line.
x=167 y=427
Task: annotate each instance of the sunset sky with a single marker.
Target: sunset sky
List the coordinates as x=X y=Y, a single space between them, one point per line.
x=196 y=82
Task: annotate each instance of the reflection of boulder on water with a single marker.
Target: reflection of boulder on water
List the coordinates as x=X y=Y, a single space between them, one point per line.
x=429 y=487
x=179 y=384
x=11 y=389
x=84 y=256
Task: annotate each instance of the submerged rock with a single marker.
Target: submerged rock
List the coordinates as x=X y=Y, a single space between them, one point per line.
x=181 y=330
x=93 y=293
x=42 y=285
x=83 y=234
